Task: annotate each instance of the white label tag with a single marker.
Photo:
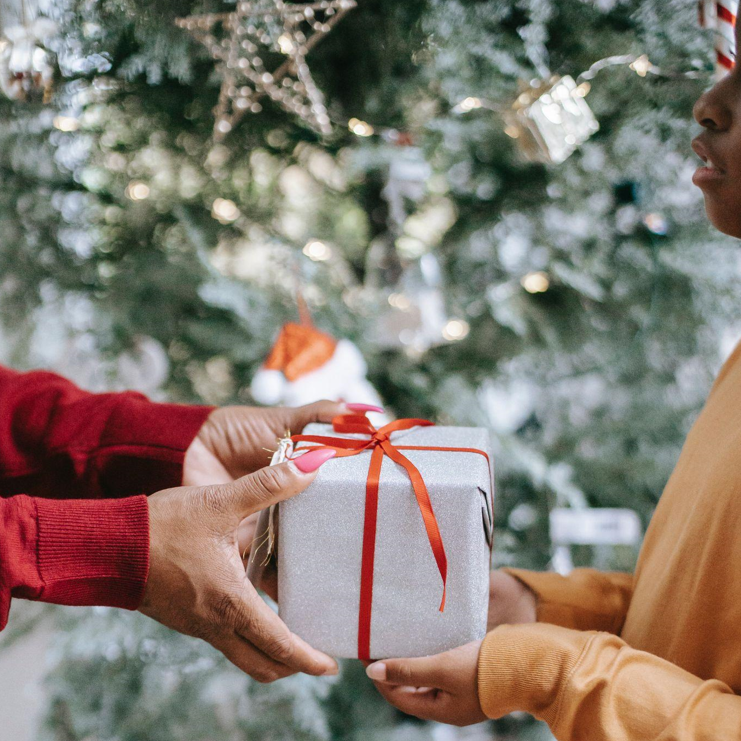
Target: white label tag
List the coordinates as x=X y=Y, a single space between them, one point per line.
x=597 y=526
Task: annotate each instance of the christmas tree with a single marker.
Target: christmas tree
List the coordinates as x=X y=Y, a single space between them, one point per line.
x=579 y=310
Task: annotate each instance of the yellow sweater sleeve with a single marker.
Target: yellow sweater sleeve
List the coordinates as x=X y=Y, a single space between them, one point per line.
x=589 y=685
x=586 y=599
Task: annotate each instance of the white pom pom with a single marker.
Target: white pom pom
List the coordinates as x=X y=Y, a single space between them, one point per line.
x=348 y=358
x=268 y=386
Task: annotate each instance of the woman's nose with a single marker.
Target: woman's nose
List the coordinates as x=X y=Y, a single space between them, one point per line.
x=712 y=110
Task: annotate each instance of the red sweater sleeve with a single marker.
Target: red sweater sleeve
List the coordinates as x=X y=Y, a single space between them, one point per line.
x=105 y=450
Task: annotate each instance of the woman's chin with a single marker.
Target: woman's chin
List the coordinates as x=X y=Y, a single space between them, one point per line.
x=724 y=218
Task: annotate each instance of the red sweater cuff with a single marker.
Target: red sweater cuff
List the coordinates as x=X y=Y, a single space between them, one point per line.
x=93 y=552
x=143 y=445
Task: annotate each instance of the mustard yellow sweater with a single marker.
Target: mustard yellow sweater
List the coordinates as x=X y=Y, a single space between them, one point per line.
x=656 y=655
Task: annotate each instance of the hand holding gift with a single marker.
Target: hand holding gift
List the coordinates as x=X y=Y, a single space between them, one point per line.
x=234 y=441
x=197 y=583
x=444 y=687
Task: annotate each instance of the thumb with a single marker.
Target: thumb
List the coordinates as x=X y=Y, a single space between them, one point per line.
x=268 y=486
x=424 y=672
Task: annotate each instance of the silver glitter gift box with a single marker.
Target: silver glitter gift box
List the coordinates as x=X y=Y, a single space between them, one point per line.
x=320 y=548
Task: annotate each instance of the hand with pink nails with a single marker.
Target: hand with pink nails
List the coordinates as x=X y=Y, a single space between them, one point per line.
x=197 y=583
x=200 y=533
x=235 y=441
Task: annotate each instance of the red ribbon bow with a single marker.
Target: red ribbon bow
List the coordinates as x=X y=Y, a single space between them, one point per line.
x=380 y=445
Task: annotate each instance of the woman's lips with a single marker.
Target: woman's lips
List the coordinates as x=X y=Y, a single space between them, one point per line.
x=706 y=176
x=710 y=172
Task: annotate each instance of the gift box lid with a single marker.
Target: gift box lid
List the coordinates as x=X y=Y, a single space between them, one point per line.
x=447 y=468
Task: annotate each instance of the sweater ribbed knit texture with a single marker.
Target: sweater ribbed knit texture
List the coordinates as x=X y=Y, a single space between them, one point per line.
x=74 y=471
x=93 y=552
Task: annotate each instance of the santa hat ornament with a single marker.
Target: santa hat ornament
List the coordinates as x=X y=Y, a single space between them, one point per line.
x=720 y=16
x=306 y=365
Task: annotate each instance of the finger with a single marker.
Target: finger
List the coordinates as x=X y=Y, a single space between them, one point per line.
x=251 y=660
x=422 y=704
x=320 y=411
x=267 y=632
x=326 y=411
x=423 y=672
x=266 y=486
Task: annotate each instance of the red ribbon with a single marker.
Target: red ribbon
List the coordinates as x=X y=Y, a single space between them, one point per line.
x=380 y=445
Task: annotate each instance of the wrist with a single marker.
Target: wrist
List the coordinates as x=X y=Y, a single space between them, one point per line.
x=93 y=552
x=201 y=466
x=525 y=668
x=527 y=603
x=510 y=601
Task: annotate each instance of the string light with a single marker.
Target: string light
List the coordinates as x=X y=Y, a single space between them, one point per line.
x=137 y=191
x=285 y=43
x=468 y=104
x=66 y=123
x=570 y=99
x=360 y=128
x=455 y=330
x=317 y=251
x=641 y=66
x=536 y=282
x=225 y=211
x=399 y=301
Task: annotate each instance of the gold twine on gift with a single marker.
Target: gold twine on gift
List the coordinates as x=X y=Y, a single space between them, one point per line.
x=268 y=536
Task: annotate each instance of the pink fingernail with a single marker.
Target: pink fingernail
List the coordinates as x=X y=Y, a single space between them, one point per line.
x=364 y=408
x=310 y=461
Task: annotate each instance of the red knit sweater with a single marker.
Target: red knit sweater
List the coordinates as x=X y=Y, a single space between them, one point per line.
x=100 y=453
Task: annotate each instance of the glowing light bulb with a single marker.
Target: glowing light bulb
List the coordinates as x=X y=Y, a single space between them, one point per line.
x=285 y=43
x=469 y=104
x=456 y=329
x=535 y=282
x=66 y=123
x=641 y=66
x=360 y=128
x=137 y=191
x=225 y=210
x=399 y=301
x=317 y=251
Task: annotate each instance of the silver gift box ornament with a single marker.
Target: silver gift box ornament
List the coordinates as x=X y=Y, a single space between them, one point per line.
x=551 y=120
x=320 y=548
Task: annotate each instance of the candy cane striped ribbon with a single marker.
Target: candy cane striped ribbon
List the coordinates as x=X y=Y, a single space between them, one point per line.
x=721 y=17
